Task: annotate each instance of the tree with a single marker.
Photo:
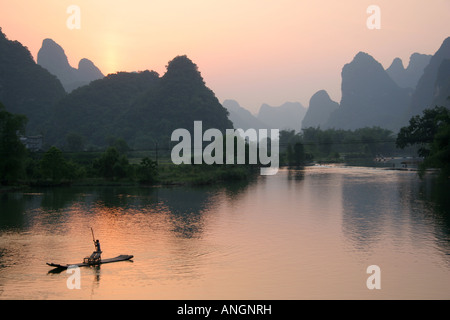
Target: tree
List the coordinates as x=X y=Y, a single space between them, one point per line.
x=148 y=171
x=439 y=156
x=423 y=129
x=289 y=154
x=299 y=153
x=12 y=150
x=296 y=155
x=119 y=144
x=325 y=142
x=112 y=165
x=54 y=165
x=288 y=137
x=431 y=132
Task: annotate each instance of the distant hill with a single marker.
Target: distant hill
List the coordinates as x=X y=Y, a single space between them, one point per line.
x=241 y=117
x=52 y=57
x=142 y=108
x=319 y=111
x=442 y=86
x=423 y=96
x=288 y=116
x=96 y=111
x=25 y=87
x=369 y=97
x=409 y=77
x=177 y=99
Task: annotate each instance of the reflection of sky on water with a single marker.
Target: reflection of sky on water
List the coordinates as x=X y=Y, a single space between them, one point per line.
x=301 y=233
x=394 y=205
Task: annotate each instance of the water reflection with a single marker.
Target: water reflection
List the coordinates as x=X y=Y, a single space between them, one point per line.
x=296 y=173
x=300 y=234
x=365 y=209
x=434 y=193
x=12 y=206
x=184 y=205
x=377 y=205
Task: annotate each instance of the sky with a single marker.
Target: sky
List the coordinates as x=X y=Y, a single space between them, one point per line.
x=254 y=52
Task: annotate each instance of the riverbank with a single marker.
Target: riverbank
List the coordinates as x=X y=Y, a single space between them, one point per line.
x=15 y=188
x=181 y=175
x=322 y=219
x=168 y=175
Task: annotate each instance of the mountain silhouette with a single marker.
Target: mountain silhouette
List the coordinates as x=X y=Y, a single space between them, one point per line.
x=175 y=101
x=144 y=108
x=442 y=85
x=288 y=116
x=320 y=108
x=96 y=111
x=25 y=87
x=423 y=96
x=369 y=97
x=141 y=108
x=52 y=57
x=241 y=117
x=409 y=77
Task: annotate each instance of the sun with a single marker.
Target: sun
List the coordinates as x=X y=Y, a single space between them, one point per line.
x=111 y=53
x=111 y=63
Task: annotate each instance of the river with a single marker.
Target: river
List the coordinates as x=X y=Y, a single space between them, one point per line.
x=308 y=233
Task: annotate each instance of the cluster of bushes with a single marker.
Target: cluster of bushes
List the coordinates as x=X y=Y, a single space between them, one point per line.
x=204 y=174
x=430 y=132
x=54 y=167
x=331 y=144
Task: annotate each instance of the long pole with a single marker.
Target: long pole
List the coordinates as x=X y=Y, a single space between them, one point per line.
x=93 y=238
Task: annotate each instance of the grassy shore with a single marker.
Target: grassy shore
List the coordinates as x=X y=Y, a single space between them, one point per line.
x=203 y=174
x=168 y=174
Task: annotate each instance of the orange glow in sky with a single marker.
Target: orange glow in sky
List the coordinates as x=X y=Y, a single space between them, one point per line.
x=252 y=51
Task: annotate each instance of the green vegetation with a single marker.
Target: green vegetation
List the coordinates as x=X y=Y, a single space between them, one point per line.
x=12 y=150
x=114 y=166
x=90 y=115
x=332 y=145
x=204 y=174
x=431 y=132
x=140 y=108
x=148 y=171
x=55 y=168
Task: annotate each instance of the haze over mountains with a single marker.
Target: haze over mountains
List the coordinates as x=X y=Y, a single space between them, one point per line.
x=388 y=98
x=409 y=77
x=241 y=117
x=141 y=108
x=369 y=97
x=144 y=108
x=442 y=86
x=319 y=111
x=52 y=57
x=288 y=116
x=427 y=90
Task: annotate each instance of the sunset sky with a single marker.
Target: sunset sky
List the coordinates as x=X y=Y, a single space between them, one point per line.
x=255 y=52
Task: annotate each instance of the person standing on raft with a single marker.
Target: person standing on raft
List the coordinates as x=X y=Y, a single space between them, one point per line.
x=96 y=256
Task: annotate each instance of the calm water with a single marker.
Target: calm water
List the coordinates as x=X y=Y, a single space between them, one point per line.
x=302 y=234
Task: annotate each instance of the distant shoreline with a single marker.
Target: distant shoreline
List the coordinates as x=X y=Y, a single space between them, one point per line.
x=182 y=176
